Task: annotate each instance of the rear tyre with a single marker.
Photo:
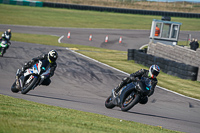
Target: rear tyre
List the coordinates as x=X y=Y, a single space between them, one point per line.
x=108 y=103
x=28 y=87
x=129 y=101
x=13 y=88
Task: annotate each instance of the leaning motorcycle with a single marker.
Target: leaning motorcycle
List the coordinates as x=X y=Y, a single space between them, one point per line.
x=4 y=45
x=131 y=94
x=32 y=77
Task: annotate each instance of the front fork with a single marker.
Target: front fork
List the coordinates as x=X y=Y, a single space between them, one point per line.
x=115 y=99
x=19 y=84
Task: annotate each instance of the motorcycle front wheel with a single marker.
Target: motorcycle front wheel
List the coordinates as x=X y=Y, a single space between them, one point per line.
x=129 y=100
x=108 y=103
x=13 y=88
x=2 y=52
x=28 y=86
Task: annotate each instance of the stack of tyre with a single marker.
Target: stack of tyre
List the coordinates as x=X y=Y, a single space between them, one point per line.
x=170 y=67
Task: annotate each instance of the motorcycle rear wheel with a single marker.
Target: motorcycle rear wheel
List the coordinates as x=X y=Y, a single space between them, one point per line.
x=29 y=86
x=108 y=103
x=129 y=101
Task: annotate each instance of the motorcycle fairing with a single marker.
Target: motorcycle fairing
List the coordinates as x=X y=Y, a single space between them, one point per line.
x=3 y=44
x=128 y=87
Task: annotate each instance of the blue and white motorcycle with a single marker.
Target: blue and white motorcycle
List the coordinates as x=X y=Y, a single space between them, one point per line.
x=32 y=77
x=131 y=94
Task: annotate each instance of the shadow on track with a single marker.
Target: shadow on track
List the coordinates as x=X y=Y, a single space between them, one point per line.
x=10 y=57
x=48 y=97
x=164 y=117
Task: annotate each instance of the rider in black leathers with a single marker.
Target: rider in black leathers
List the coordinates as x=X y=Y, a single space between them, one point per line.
x=3 y=37
x=152 y=73
x=8 y=34
x=51 y=57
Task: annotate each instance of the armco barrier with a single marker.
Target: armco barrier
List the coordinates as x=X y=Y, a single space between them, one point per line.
x=176 y=53
x=23 y=2
x=170 y=67
x=121 y=10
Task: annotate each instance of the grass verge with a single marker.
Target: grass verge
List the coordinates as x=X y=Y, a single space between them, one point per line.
x=54 y=17
x=172 y=6
x=18 y=115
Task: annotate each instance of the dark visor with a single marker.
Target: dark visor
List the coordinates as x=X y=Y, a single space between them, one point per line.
x=155 y=73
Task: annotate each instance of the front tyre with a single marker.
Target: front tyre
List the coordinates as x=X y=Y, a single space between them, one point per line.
x=108 y=103
x=13 y=88
x=129 y=100
x=28 y=86
x=2 y=52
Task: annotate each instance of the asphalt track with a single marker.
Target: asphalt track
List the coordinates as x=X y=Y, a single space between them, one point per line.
x=131 y=39
x=83 y=84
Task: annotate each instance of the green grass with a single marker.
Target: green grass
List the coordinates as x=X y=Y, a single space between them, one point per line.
x=21 y=116
x=36 y=16
x=183 y=43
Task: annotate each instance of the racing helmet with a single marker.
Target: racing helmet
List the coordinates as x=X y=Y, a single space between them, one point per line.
x=3 y=35
x=154 y=70
x=52 y=56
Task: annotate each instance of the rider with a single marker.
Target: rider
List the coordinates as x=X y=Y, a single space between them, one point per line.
x=51 y=57
x=3 y=38
x=8 y=34
x=152 y=73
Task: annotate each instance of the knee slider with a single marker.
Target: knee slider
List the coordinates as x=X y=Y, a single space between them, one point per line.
x=144 y=100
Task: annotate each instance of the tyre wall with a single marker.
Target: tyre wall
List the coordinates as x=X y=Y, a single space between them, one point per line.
x=121 y=10
x=170 y=67
x=176 y=53
x=99 y=8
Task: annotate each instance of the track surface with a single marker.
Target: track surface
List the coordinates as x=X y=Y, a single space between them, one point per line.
x=82 y=84
x=131 y=39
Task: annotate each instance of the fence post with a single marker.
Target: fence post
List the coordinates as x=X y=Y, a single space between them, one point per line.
x=188 y=38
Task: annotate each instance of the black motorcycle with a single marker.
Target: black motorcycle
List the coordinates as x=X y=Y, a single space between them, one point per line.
x=131 y=94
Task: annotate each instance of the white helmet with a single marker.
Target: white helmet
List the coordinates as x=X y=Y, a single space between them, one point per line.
x=3 y=35
x=52 y=56
x=154 y=70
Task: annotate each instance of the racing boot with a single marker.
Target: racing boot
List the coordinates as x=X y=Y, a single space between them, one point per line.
x=123 y=83
x=117 y=89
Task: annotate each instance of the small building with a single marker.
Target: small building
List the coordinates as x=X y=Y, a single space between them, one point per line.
x=165 y=31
